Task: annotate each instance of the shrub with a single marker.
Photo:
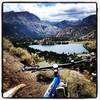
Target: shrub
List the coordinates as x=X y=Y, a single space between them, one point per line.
x=36 y=57
x=76 y=82
x=75 y=79
x=23 y=54
x=7 y=44
x=45 y=76
x=90 y=46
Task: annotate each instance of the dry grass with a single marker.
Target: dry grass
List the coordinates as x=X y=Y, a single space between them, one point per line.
x=12 y=78
x=23 y=54
x=74 y=80
x=90 y=45
x=7 y=45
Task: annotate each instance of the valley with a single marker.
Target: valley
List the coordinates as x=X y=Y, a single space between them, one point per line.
x=28 y=41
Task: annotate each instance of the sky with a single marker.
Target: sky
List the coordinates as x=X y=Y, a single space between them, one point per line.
x=54 y=11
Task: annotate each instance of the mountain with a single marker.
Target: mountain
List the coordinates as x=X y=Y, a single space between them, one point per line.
x=63 y=24
x=25 y=24
x=89 y=21
x=15 y=17
x=82 y=32
x=84 y=29
x=17 y=24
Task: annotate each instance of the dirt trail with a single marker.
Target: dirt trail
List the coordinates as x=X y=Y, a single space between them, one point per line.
x=12 y=78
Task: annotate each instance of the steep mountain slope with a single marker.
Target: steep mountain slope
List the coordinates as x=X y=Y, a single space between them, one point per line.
x=25 y=24
x=19 y=24
x=82 y=32
x=85 y=29
x=89 y=21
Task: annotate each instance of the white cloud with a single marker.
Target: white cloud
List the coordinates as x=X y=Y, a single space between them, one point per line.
x=47 y=12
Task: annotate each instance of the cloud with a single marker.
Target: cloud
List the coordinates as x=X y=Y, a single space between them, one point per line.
x=54 y=11
x=75 y=13
x=46 y=4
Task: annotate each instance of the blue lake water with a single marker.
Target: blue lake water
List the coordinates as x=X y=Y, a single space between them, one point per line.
x=62 y=48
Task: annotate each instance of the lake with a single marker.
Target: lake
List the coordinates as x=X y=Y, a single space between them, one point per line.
x=61 y=48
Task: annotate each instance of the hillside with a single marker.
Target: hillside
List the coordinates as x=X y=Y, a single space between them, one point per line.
x=83 y=29
x=12 y=78
x=82 y=32
x=36 y=88
x=35 y=85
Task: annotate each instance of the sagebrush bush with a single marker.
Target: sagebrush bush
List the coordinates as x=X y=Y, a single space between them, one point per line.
x=36 y=57
x=75 y=81
x=23 y=54
x=90 y=46
x=7 y=44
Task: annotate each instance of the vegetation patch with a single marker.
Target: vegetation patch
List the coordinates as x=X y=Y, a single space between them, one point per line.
x=76 y=82
x=90 y=46
x=23 y=54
